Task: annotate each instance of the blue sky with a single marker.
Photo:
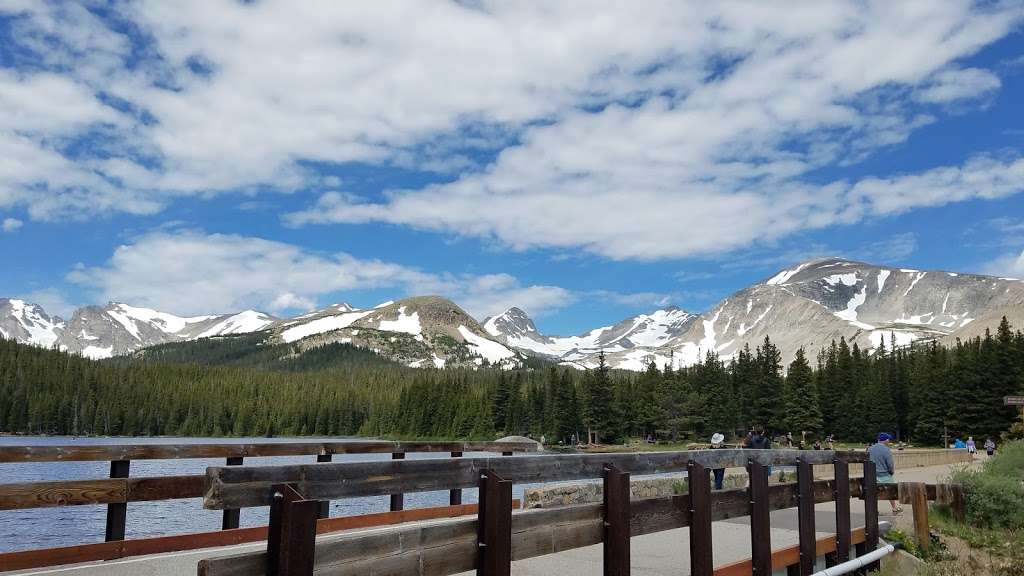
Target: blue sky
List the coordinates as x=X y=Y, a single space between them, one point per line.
x=583 y=165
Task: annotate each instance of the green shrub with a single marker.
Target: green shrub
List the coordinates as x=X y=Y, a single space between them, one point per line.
x=680 y=487
x=995 y=494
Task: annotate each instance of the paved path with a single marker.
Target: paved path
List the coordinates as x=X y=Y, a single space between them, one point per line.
x=656 y=554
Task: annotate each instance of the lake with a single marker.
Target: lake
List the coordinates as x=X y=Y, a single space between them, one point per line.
x=69 y=525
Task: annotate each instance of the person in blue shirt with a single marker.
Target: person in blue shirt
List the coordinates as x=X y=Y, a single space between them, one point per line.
x=885 y=467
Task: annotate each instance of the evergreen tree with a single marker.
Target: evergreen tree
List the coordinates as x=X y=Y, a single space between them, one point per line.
x=803 y=412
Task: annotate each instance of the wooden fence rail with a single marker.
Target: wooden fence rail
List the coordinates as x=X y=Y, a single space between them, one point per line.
x=454 y=546
x=111 y=452
x=242 y=487
x=120 y=489
x=492 y=540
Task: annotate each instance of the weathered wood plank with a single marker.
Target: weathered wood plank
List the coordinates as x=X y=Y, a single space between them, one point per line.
x=24 y=495
x=43 y=557
x=247 y=486
x=110 y=452
x=449 y=546
x=67 y=493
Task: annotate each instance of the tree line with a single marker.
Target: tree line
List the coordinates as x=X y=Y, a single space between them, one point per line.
x=243 y=386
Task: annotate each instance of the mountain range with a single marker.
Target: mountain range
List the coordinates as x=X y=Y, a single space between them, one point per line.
x=806 y=306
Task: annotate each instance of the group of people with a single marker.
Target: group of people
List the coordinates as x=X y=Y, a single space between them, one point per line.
x=880 y=453
x=972 y=447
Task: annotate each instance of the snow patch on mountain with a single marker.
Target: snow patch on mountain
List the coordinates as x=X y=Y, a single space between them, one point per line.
x=917 y=278
x=743 y=329
x=882 y=276
x=785 y=275
x=487 y=349
x=321 y=325
x=241 y=323
x=407 y=323
x=850 y=314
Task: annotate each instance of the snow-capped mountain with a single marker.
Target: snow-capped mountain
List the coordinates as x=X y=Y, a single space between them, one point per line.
x=114 y=329
x=630 y=340
x=421 y=331
x=806 y=306
x=29 y=323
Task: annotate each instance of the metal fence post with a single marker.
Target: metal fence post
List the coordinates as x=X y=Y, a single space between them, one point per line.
x=616 y=521
x=325 y=505
x=231 y=516
x=455 y=494
x=397 y=500
x=117 y=514
x=494 y=526
x=291 y=536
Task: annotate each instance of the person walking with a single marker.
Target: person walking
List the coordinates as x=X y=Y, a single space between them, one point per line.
x=719 y=473
x=885 y=467
x=990 y=447
x=972 y=449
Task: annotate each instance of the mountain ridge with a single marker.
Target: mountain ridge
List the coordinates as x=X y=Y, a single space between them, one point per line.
x=807 y=305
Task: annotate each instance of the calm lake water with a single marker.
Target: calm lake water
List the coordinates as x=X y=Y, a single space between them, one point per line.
x=69 y=525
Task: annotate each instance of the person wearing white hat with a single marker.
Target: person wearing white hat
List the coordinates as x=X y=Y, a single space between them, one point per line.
x=719 y=473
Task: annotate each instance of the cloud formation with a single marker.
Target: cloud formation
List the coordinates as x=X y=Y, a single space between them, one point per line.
x=192 y=272
x=678 y=130
x=11 y=225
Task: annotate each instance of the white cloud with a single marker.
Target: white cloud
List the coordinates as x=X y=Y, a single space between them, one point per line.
x=952 y=85
x=11 y=225
x=191 y=272
x=679 y=129
x=53 y=301
x=1006 y=266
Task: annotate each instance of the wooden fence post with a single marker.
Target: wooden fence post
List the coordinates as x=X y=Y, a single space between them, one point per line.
x=760 y=520
x=455 y=494
x=397 y=500
x=325 y=505
x=869 y=492
x=959 y=503
x=117 y=514
x=701 y=559
x=494 y=526
x=805 y=511
x=231 y=517
x=842 y=498
x=916 y=494
x=291 y=536
x=616 y=522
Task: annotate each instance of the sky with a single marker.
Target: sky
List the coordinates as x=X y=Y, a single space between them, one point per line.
x=584 y=161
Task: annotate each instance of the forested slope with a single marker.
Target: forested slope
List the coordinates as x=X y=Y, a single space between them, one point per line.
x=242 y=386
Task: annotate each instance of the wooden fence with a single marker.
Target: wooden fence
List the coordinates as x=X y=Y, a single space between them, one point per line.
x=496 y=537
x=120 y=489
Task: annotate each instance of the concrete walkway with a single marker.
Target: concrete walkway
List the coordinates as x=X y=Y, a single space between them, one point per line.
x=662 y=553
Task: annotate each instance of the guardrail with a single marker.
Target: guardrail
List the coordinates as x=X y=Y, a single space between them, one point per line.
x=496 y=537
x=120 y=489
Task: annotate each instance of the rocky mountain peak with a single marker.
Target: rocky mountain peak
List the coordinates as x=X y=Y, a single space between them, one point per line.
x=512 y=322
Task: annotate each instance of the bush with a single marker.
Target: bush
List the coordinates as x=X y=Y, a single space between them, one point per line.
x=995 y=494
